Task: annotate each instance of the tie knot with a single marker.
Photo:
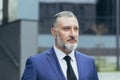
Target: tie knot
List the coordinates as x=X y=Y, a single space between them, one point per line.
x=67 y=58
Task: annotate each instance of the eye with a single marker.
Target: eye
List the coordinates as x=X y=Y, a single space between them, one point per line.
x=66 y=28
x=76 y=29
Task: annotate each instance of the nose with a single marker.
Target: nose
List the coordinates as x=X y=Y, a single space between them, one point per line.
x=72 y=32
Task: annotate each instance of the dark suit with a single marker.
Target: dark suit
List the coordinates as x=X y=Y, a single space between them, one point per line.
x=45 y=66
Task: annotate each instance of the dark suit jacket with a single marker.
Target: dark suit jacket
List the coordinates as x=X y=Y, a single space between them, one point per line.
x=45 y=66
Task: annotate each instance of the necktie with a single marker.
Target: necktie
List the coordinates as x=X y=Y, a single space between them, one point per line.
x=70 y=72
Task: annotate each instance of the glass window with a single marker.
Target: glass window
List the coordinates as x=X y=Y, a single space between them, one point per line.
x=101 y=13
x=1 y=6
x=105 y=14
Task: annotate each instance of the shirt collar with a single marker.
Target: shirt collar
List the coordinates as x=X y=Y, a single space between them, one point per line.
x=61 y=55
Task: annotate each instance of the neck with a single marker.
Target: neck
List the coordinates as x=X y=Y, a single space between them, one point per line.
x=63 y=49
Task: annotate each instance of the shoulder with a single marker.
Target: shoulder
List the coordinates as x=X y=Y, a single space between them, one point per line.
x=85 y=59
x=41 y=54
x=83 y=55
x=36 y=60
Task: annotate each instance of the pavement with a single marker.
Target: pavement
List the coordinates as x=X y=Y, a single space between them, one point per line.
x=109 y=75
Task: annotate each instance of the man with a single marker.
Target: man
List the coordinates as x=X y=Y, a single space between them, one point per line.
x=62 y=61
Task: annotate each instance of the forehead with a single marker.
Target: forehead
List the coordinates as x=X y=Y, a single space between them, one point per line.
x=68 y=21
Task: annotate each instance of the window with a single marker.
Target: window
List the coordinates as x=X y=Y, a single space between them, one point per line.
x=1 y=6
x=88 y=15
x=47 y=11
x=106 y=14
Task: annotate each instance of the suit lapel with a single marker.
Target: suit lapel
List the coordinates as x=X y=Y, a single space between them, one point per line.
x=52 y=59
x=79 y=61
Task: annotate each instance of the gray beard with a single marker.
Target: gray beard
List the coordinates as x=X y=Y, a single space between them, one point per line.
x=65 y=46
x=71 y=47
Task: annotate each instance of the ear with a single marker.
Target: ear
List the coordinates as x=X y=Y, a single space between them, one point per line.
x=53 y=31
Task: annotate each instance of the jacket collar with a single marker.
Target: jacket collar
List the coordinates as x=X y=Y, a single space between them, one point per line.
x=52 y=59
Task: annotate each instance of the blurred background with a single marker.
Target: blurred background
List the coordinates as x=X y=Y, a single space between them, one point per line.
x=25 y=31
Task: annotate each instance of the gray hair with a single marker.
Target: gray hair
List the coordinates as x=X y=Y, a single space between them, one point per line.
x=62 y=14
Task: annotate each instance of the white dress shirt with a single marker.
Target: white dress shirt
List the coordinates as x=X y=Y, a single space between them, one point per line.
x=60 y=55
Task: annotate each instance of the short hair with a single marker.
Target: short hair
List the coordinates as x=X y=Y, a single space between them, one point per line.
x=62 y=14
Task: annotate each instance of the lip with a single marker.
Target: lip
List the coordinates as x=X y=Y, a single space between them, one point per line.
x=72 y=41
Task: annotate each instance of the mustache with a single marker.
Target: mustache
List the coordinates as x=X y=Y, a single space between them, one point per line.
x=72 y=38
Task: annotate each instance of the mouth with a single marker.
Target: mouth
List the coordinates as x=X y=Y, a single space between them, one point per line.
x=72 y=41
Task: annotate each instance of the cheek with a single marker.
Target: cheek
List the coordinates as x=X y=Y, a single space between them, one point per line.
x=77 y=34
x=77 y=37
x=63 y=36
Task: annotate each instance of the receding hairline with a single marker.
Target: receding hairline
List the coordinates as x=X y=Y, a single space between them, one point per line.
x=62 y=14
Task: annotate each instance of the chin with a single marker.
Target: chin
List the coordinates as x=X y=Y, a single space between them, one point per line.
x=71 y=47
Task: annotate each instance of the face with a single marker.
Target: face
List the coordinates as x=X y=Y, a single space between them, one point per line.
x=66 y=33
